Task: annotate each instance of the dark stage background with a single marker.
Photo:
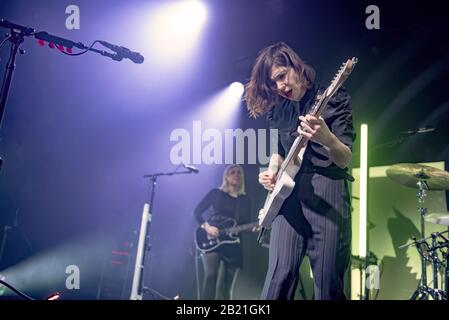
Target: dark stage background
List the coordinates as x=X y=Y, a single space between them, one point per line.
x=80 y=132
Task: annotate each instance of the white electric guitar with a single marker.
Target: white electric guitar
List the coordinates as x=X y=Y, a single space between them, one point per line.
x=292 y=163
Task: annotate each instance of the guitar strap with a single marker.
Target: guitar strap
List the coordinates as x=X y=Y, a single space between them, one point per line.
x=237 y=207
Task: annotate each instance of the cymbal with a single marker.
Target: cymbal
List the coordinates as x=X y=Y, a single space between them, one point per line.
x=408 y=174
x=438 y=218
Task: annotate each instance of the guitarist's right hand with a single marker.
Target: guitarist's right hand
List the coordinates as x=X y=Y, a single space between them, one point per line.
x=267 y=179
x=211 y=230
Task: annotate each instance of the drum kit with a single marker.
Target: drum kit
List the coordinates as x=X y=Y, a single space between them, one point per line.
x=434 y=249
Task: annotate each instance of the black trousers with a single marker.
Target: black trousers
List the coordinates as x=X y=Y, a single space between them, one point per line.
x=219 y=277
x=314 y=221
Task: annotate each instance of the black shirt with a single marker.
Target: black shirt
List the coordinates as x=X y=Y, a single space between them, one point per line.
x=338 y=117
x=222 y=204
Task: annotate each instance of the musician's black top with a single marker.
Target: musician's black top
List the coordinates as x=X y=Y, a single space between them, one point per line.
x=338 y=117
x=219 y=203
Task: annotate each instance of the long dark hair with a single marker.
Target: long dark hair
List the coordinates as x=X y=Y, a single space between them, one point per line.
x=260 y=91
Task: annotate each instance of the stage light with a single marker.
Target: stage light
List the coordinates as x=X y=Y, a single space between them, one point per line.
x=212 y=132
x=53 y=270
x=54 y=296
x=236 y=89
x=363 y=189
x=175 y=28
x=220 y=110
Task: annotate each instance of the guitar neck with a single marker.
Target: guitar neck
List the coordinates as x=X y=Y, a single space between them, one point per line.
x=300 y=141
x=318 y=109
x=240 y=228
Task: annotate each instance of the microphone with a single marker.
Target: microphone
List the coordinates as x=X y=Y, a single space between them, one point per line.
x=191 y=168
x=123 y=52
x=425 y=129
x=419 y=130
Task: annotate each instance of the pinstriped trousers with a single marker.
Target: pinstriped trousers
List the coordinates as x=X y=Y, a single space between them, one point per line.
x=314 y=221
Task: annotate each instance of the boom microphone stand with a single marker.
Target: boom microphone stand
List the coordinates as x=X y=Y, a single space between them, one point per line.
x=144 y=246
x=16 y=36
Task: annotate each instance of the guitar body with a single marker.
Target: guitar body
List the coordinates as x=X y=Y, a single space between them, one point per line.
x=282 y=190
x=206 y=243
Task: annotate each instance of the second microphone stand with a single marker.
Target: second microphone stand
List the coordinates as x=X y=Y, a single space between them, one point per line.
x=144 y=246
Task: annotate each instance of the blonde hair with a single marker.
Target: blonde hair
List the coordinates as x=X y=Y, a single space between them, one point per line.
x=225 y=186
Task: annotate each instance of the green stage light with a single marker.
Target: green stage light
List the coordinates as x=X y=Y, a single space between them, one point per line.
x=363 y=189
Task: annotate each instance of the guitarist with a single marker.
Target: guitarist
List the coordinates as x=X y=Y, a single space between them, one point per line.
x=229 y=201
x=315 y=220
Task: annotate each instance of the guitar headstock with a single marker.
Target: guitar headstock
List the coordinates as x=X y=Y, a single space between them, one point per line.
x=340 y=77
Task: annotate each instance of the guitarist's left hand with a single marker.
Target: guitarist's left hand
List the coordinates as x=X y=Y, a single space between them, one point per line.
x=316 y=130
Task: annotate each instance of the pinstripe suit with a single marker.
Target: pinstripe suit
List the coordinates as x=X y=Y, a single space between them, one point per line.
x=315 y=220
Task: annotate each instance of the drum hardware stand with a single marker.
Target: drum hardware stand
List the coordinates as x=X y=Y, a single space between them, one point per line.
x=430 y=254
x=362 y=266
x=370 y=260
x=440 y=294
x=437 y=293
x=426 y=178
x=446 y=270
x=423 y=291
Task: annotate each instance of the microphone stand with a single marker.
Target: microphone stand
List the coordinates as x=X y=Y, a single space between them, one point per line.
x=144 y=246
x=403 y=136
x=16 y=36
